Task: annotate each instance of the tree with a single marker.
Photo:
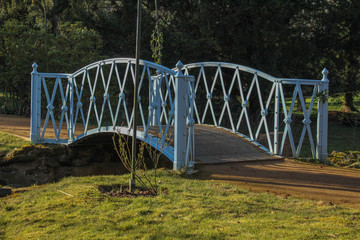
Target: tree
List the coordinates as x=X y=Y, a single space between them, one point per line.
x=342 y=24
x=332 y=28
x=23 y=43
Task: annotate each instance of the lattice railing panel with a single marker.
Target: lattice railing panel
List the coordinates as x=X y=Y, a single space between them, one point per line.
x=297 y=110
x=227 y=97
x=55 y=100
x=99 y=97
x=255 y=105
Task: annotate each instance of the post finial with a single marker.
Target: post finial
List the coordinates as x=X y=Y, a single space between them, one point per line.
x=325 y=73
x=34 y=66
x=179 y=65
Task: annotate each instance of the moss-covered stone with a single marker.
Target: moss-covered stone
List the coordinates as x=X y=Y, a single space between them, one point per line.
x=39 y=164
x=345 y=159
x=32 y=152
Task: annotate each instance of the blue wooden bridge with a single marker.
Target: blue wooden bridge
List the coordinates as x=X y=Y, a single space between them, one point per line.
x=213 y=111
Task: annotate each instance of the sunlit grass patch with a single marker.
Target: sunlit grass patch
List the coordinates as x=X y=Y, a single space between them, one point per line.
x=192 y=209
x=9 y=142
x=335 y=102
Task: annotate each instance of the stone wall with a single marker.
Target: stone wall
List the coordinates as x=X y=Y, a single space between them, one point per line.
x=48 y=163
x=40 y=164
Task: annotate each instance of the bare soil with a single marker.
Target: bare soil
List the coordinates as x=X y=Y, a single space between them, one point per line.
x=283 y=177
x=291 y=178
x=122 y=191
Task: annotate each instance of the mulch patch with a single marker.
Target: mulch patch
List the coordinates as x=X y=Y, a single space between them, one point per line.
x=121 y=191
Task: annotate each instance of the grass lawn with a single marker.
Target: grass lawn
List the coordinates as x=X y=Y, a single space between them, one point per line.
x=9 y=142
x=192 y=209
x=334 y=102
x=341 y=138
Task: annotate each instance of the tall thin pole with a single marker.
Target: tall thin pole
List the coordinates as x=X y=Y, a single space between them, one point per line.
x=46 y=39
x=157 y=31
x=137 y=69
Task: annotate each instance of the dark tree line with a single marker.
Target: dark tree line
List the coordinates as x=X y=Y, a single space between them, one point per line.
x=281 y=37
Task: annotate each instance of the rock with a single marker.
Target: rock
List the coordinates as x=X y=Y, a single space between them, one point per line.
x=79 y=162
x=87 y=153
x=52 y=162
x=64 y=160
x=39 y=164
x=5 y=192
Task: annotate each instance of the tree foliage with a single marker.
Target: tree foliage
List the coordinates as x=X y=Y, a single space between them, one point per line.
x=282 y=37
x=23 y=42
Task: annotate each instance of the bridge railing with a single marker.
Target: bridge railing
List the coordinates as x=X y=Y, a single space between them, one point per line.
x=262 y=108
x=99 y=98
x=39 y=126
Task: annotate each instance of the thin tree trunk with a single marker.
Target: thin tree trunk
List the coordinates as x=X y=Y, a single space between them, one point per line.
x=298 y=104
x=348 y=102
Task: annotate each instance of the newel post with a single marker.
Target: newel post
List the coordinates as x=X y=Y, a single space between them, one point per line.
x=154 y=99
x=71 y=83
x=322 y=120
x=276 y=118
x=180 y=118
x=35 y=105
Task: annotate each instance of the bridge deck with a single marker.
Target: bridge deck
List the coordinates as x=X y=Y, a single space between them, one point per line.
x=215 y=145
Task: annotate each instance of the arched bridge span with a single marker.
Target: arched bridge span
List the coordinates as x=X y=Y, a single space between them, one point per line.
x=251 y=104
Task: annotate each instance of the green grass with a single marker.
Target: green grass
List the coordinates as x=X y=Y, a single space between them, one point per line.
x=341 y=138
x=9 y=142
x=192 y=209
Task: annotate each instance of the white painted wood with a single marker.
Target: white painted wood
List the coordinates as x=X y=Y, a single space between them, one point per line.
x=322 y=122
x=35 y=105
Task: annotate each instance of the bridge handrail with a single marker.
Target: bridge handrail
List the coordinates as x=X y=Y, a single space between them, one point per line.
x=233 y=66
x=123 y=60
x=253 y=71
x=300 y=81
x=107 y=61
x=54 y=75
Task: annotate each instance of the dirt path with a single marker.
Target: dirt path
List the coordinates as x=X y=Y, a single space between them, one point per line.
x=291 y=178
x=18 y=126
x=283 y=177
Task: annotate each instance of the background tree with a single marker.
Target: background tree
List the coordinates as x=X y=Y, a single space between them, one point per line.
x=281 y=37
x=331 y=29
x=23 y=43
x=341 y=36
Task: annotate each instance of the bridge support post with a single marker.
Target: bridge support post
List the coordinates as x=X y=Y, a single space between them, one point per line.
x=35 y=105
x=322 y=119
x=276 y=119
x=180 y=118
x=155 y=103
x=71 y=82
